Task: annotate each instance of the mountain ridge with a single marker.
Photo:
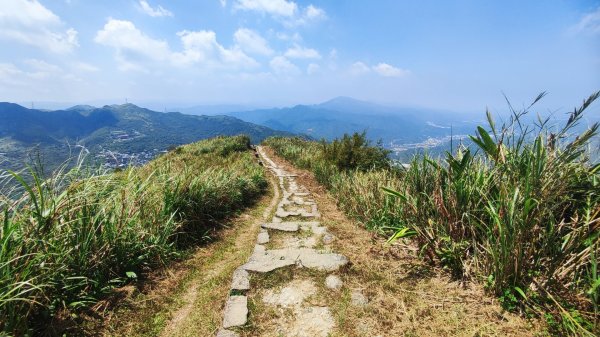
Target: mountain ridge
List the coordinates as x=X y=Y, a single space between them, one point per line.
x=120 y=128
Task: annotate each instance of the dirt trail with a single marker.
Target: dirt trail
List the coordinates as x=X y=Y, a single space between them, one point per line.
x=299 y=267
x=314 y=272
x=293 y=237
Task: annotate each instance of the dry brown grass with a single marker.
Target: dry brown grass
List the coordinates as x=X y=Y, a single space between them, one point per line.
x=187 y=298
x=406 y=296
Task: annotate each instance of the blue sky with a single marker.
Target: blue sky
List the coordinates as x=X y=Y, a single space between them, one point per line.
x=453 y=55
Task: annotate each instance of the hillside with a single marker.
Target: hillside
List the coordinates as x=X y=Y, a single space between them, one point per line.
x=518 y=212
x=394 y=126
x=499 y=241
x=70 y=241
x=124 y=131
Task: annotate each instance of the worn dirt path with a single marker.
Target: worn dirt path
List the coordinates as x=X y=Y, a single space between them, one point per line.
x=294 y=265
x=293 y=237
x=314 y=272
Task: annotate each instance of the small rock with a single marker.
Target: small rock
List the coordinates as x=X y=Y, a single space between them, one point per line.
x=263 y=237
x=241 y=280
x=227 y=333
x=333 y=282
x=358 y=299
x=236 y=311
x=328 y=238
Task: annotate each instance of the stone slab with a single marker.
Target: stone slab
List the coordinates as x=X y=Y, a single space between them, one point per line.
x=303 y=257
x=241 y=280
x=236 y=311
x=263 y=237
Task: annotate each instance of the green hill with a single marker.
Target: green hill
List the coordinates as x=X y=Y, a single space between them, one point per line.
x=122 y=129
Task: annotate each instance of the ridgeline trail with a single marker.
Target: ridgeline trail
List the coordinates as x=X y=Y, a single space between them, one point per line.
x=293 y=237
x=295 y=266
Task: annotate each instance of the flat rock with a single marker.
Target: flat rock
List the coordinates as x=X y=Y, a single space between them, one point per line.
x=263 y=237
x=328 y=238
x=282 y=226
x=312 y=322
x=292 y=294
x=259 y=249
x=358 y=299
x=333 y=282
x=295 y=242
x=227 y=333
x=241 y=280
x=265 y=263
x=313 y=226
x=303 y=257
x=236 y=311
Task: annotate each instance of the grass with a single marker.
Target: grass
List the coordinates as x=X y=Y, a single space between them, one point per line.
x=406 y=295
x=69 y=240
x=517 y=211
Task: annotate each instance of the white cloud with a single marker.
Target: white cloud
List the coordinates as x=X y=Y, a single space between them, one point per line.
x=286 y=11
x=313 y=13
x=85 y=67
x=134 y=48
x=202 y=47
x=282 y=66
x=387 y=70
x=313 y=68
x=298 y=52
x=283 y=8
x=223 y=3
x=296 y=37
x=359 y=68
x=382 y=69
x=157 y=12
x=29 y=22
x=589 y=23
x=9 y=74
x=251 y=42
x=309 y=15
x=127 y=39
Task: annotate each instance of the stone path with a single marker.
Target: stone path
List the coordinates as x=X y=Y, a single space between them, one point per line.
x=305 y=244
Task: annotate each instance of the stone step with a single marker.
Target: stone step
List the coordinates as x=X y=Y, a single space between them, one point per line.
x=302 y=257
x=236 y=311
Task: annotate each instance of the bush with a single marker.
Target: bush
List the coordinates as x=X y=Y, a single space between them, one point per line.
x=355 y=153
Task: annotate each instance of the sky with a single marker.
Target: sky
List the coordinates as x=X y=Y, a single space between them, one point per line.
x=458 y=55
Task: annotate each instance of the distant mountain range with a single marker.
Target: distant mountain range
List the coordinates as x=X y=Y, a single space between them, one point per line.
x=341 y=115
x=126 y=130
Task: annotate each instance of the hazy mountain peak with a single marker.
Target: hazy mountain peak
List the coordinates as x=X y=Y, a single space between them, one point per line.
x=81 y=107
x=344 y=100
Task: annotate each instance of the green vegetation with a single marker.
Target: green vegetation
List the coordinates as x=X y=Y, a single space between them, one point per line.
x=71 y=239
x=127 y=128
x=519 y=211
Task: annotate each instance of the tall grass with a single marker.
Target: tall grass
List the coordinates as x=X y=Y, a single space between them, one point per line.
x=72 y=238
x=519 y=211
